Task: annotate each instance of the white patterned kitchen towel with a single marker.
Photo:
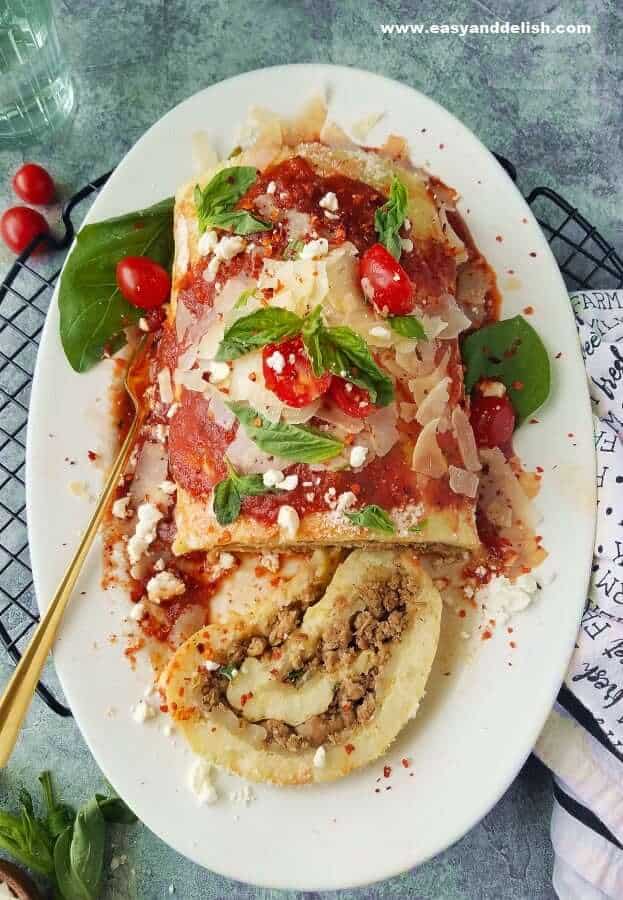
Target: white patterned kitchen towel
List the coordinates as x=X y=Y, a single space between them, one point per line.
x=582 y=742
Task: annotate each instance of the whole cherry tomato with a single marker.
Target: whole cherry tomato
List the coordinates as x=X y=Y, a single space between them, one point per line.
x=288 y=373
x=143 y=282
x=385 y=283
x=493 y=420
x=20 y=225
x=33 y=184
x=351 y=399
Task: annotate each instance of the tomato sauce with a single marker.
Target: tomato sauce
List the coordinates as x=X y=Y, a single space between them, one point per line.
x=197 y=445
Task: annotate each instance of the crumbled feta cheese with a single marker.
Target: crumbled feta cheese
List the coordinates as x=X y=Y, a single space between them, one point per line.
x=172 y=410
x=159 y=433
x=270 y=561
x=406 y=244
x=314 y=249
x=207 y=242
x=143 y=712
x=229 y=246
x=379 y=331
x=219 y=371
x=310 y=497
x=368 y=290
x=143 y=324
x=490 y=387
x=289 y=483
x=120 y=507
x=271 y=188
x=288 y=520
x=320 y=757
x=330 y=202
x=211 y=270
x=210 y=665
x=331 y=216
x=345 y=501
x=168 y=487
x=138 y=611
x=358 y=456
x=502 y=598
x=226 y=561
x=159 y=565
x=148 y=517
x=330 y=498
x=272 y=477
x=200 y=782
x=407 y=224
x=242 y=797
x=164 y=586
x=276 y=361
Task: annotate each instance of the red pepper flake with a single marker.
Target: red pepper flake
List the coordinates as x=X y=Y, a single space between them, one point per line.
x=388 y=788
x=92 y=455
x=377 y=790
x=510 y=630
x=540 y=469
x=525 y=221
x=441 y=146
x=499 y=238
x=571 y=434
x=349 y=748
x=462 y=613
x=517 y=385
x=405 y=762
x=558 y=355
x=512 y=644
x=528 y=310
x=424 y=130
x=411 y=774
x=244 y=699
x=164 y=708
x=387 y=771
x=486 y=635
x=201 y=648
x=532 y=253
x=534 y=422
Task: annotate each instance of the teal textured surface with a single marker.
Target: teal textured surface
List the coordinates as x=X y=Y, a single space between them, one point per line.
x=548 y=103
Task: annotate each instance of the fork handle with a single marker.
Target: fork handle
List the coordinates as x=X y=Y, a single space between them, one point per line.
x=19 y=691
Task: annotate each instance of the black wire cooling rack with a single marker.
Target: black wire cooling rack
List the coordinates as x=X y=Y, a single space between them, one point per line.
x=585 y=257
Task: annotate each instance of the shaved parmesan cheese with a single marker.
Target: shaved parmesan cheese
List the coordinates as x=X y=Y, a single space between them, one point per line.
x=408 y=411
x=308 y=124
x=428 y=458
x=422 y=386
x=335 y=416
x=265 y=205
x=182 y=248
x=294 y=416
x=435 y=404
x=362 y=127
x=383 y=431
x=247 y=384
x=464 y=434
x=164 y=385
x=500 y=485
x=463 y=482
x=333 y=136
x=315 y=249
x=219 y=371
x=298 y=224
x=456 y=322
x=298 y=285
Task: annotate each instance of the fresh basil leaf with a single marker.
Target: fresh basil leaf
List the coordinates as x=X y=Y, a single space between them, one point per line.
x=408 y=326
x=292 y=442
x=59 y=815
x=244 y=298
x=86 y=852
x=346 y=354
x=229 y=671
x=226 y=501
x=69 y=887
x=115 y=810
x=27 y=839
x=389 y=218
x=511 y=352
x=312 y=332
x=237 y=220
x=215 y=203
x=251 y=485
x=373 y=517
x=93 y=312
x=265 y=326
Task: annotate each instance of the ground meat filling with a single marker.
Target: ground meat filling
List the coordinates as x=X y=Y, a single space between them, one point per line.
x=375 y=627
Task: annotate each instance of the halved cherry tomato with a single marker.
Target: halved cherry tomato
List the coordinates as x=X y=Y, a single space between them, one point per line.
x=33 y=184
x=288 y=373
x=143 y=282
x=352 y=400
x=385 y=283
x=20 y=225
x=493 y=420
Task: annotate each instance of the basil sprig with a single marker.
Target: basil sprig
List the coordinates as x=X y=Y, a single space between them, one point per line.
x=343 y=352
x=373 y=517
x=65 y=847
x=215 y=202
x=389 y=218
x=229 y=492
x=265 y=326
x=338 y=350
x=291 y=442
x=511 y=352
x=408 y=326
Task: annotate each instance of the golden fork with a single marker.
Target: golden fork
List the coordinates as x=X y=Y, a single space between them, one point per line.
x=19 y=691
